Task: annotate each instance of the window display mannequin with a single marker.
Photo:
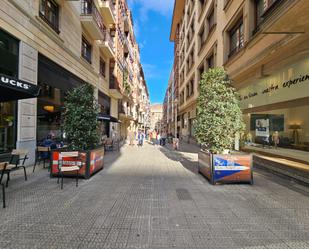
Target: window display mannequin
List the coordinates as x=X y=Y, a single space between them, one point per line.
x=275 y=139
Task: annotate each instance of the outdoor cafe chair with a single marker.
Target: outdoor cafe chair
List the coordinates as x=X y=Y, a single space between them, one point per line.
x=109 y=144
x=42 y=154
x=73 y=167
x=17 y=161
x=2 y=170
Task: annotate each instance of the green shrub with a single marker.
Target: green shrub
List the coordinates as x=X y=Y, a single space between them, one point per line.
x=219 y=116
x=80 y=118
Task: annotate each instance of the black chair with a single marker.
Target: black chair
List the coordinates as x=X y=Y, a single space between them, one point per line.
x=2 y=170
x=17 y=161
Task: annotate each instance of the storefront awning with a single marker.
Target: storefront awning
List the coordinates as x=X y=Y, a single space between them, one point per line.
x=14 y=89
x=108 y=118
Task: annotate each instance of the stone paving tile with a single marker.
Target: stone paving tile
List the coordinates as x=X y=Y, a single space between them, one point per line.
x=151 y=198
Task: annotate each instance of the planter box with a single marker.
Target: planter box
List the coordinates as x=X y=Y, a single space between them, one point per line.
x=231 y=168
x=93 y=162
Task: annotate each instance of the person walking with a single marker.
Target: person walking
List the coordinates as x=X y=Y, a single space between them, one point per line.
x=131 y=137
x=154 y=137
x=158 y=139
x=141 y=138
x=163 y=138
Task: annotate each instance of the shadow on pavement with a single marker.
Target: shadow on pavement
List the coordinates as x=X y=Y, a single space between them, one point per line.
x=180 y=156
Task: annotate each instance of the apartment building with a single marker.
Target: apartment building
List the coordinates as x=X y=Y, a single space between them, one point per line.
x=169 y=110
x=263 y=45
x=58 y=45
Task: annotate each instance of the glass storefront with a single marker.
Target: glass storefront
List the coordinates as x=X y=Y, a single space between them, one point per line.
x=104 y=103
x=9 y=50
x=277 y=108
x=291 y=124
x=55 y=82
x=49 y=110
x=7 y=126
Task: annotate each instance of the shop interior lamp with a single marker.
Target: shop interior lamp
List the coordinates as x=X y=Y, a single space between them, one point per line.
x=295 y=128
x=49 y=108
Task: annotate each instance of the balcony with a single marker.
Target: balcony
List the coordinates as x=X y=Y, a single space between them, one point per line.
x=125 y=112
x=107 y=44
x=92 y=20
x=108 y=11
x=114 y=88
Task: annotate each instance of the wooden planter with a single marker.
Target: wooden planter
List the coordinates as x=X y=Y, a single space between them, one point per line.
x=230 y=168
x=93 y=162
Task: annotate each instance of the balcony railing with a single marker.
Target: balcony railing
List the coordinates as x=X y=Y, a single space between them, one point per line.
x=89 y=8
x=111 y=4
x=108 y=39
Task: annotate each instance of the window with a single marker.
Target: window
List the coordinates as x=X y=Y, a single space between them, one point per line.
x=188 y=90
x=259 y=9
x=211 y=20
x=49 y=12
x=192 y=87
x=202 y=36
x=86 y=50
x=236 y=37
x=102 y=67
x=202 y=2
x=210 y=61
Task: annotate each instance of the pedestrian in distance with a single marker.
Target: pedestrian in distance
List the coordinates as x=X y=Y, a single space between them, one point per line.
x=159 y=139
x=163 y=138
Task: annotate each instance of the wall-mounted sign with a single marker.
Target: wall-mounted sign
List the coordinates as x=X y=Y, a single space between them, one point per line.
x=262 y=127
x=13 y=89
x=288 y=83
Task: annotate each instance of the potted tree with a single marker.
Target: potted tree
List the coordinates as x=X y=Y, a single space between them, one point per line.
x=81 y=131
x=219 y=121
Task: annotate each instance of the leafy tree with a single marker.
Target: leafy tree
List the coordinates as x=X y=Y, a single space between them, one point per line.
x=80 y=118
x=219 y=116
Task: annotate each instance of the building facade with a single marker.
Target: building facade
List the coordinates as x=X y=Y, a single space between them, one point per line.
x=264 y=53
x=156 y=116
x=59 y=45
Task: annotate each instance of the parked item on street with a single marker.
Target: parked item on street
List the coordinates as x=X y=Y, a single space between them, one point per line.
x=74 y=166
x=17 y=161
x=42 y=153
x=226 y=168
x=2 y=170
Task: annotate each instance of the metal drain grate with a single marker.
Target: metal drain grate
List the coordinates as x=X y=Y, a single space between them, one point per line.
x=183 y=194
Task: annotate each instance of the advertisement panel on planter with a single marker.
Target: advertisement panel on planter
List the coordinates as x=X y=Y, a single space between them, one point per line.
x=232 y=168
x=96 y=160
x=68 y=162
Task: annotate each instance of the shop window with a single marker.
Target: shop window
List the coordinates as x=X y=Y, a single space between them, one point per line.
x=102 y=67
x=49 y=12
x=236 y=36
x=86 y=50
x=7 y=126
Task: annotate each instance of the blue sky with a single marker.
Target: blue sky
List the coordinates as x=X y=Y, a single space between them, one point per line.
x=152 y=22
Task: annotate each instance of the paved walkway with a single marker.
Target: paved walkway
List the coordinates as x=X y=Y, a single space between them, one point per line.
x=152 y=197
